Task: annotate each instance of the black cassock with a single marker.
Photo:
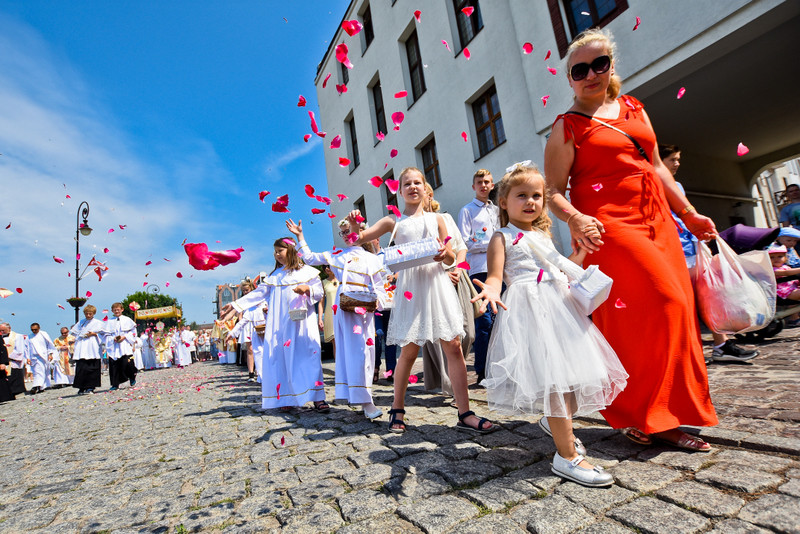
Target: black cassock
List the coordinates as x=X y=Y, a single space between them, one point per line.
x=5 y=389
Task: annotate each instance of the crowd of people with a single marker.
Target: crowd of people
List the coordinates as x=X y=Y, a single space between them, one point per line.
x=492 y=283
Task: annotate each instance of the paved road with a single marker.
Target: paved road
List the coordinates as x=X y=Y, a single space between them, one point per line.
x=187 y=450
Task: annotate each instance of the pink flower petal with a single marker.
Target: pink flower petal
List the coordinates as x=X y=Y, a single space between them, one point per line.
x=552 y=71
x=18 y=290
x=597 y=187
x=467 y=53
x=123 y=226
x=314 y=127
x=88 y=294
x=341 y=88
x=638 y=21
x=167 y=284
x=547 y=56
x=527 y=48
x=447 y=238
x=393 y=153
x=105 y=250
x=331 y=216
x=178 y=274
x=447 y=46
x=468 y=10
x=464 y=136
x=58 y=260
x=149 y=263
x=8 y=226
x=397 y=119
x=370 y=342
x=60 y=306
x=401 y=94
x=344 y=162
x=408 y=295
x=463 y=265
x=288 y=342
x=110 y=230
x=681 y=92
x=540 y=275
x=380 y=136
x=356 y=329
x=283 y=438
x=144 y=284
x=341 y=197
x=309 y=191
x=277 y=207
x=376 y=181
x=301 y=102
x=388 y=373
x=619 y=304
x=325 y=81
x=417 y=14
x=324 y=200
x=317 y=211
x=334 y=307
x=336 y=142
x=352 y=27
x=412 y=379
x=341 y=55
x=544 y=100
x=318 y=383
x=360 y=310
x=516 y=239
x=306 y=137
x=741 y=150
x=262 y=194
x=393 y=209
x=393 y=185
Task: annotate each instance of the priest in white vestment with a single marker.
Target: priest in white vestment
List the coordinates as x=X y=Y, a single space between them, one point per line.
x=40 y=356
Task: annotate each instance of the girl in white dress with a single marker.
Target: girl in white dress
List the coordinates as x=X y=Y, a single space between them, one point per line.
x=292 y=366
x=358 y=270
x=426 y=305
x=245 y=332
x=544 y=354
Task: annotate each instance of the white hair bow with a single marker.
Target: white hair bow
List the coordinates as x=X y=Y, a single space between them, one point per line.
x=519 y=165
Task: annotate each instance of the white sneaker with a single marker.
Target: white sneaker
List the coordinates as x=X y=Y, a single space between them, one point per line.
x=374 y=415
x=545 y=426
x=570 y=470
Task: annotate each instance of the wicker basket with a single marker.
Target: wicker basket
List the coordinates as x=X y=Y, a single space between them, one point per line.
x=350 y=300
x=260 y=329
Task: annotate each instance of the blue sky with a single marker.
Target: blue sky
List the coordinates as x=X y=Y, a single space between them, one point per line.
x=168 y=118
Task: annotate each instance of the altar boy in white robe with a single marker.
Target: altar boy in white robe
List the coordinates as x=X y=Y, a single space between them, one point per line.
x=247 y=336
x=119 y=336
x=182 y=348
x=40 y=356
x=88 y=334
x=292 y=367
x=358 y=269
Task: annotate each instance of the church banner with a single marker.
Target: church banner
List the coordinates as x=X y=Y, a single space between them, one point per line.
x=158 y=313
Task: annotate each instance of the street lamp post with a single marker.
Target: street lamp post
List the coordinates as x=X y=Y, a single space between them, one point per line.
x=81 y=228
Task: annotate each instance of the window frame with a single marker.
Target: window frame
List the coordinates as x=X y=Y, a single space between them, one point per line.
x=559 y=14
x=361 y=205
x=474 y=21
x=433 y=167
x=413 y=39
x=380 y=111
x=368 y=29
x=355 y=158
x=491 y=123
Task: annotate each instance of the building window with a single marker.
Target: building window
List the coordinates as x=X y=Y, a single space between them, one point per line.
x=488 y=121
x=430 y=163
x=580 y=15
x=351 y=128
x=380 y=115
x=468 y=27
x=361 y=206
x=415 y=66
x=391 y=198
x=226 y=297
x=345 y=74
x=366 y=21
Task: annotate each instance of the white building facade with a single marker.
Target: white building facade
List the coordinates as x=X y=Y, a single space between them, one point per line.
x=482 y=83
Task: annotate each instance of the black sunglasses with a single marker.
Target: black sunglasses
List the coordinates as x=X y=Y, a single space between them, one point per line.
x=599 y=65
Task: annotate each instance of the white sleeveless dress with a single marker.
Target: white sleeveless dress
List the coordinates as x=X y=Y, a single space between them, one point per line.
x=544 y=355
x=433 y=312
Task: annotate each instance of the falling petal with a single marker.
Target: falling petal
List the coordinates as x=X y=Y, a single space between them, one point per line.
x=619 y=304
x=388 y=373
x=18 y=290
x=179 y=275
x=69 y=196
x=539 y=277
x=336 y=142
x=167 y=284
x=393 y=153
x=741 y=150
x=681 y=92
x=278 y=387
x=527 y=48
x=401 y=94
x=60 y=306
x=306 y=137
x=123 y=226
x=467 y=54
x=301 y=102
x=370 y=342
x=638 y=21
x=149 y=263
x=468 y=10
x=552 y=71
x=262 y=194
x=277 y=207
x=408 y=295
x=325 y=81
x=314 y=127
x=463 y=265
x=331 y=215
x=334 y=307
x=8 y=226
x=447 y=46
x=393 y=209
x=341 y=55
x=597 y=187
x=341 y=197
x=110 y=230
x=379 y=135
x=544 y=100
x=88 y=294
x=516 y=239
x=144 y=284
x=318 y=383
x=397 y=119
x=360 y=310
x=317 y=211
x=309 y=191
x=376 y=181
x=341 y=88
x=357 y=329
x=547 y=56
x=344 y=162
x=283 y=441
x=352 y=27
x=105 y=250
x=393 y=185
x=417 y=15
x=412 y=379
x=464 y=136
x=288 y=342
x=58 y=260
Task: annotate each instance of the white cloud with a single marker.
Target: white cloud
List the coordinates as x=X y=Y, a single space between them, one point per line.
x=276 y=163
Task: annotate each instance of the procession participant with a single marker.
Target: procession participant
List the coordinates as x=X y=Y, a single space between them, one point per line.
x=163 y=350
x=88 y=351
x=120 y=332
x=244 y=331
x=138 y=362
x=62 y=372
x=191 y=338
x=357 y=269
x=5 y=370
x=183 y=341
x=40 y=354
x=148 y=349
x=17 y=347
x=292 y=368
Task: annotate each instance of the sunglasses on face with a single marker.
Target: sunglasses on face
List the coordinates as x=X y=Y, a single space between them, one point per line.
x=599 y=65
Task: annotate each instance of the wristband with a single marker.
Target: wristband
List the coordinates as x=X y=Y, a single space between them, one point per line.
x=687 y=210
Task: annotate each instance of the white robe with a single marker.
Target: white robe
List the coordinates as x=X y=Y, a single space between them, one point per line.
x=251 y=318
x=292 y=366
x=355 y=354
x=40 y=350
x=137 y=353
x=17 y=347
x=60 y=376
x=182 y=352
x=119 y=326
x=87 y=347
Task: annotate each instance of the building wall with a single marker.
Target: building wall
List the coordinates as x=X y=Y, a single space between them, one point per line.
x=676 y=32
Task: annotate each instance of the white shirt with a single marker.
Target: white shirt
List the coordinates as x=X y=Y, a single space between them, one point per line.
x=87 y=347
x=41 y=345
x=478 y=221
x=119 y=326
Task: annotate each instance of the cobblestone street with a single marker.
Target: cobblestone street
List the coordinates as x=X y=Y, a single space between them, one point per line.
x=188 y=450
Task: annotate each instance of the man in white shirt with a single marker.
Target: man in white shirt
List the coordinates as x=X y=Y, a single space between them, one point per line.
x=119 y=334
x=17 y=347
x=190 y=337
x=40 y=354
x=477 y=221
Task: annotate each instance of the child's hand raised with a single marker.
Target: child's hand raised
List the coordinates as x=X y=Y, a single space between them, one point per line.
x=489 y=295
x=296 y=229
x=442 y=254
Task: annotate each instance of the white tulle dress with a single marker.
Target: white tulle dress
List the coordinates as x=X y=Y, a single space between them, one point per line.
x=544 y=355
x=433 y=312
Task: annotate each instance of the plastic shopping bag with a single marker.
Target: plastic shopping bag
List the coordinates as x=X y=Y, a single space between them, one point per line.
x=298 y=308
x=735 y=293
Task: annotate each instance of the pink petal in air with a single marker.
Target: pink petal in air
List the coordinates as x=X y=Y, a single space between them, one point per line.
x=467 y=53
x=331 y=215
x=179 y=275
x=619 y=304
x=325 y=81
x=741 y=150
x=448 y=238
x=105 y=250
x=380 y=136
x=341 y=88
x=527 y=48
x=110 y=230
x=344 y=162
x=638 y=21
x=408 y=295
x=393 y=153
x=597 y=187
x=60 y=306
x=388 y=373
x=401 y=94
x=336 y=142
x=393 y=209
x=397 y=119
x=58 y=260
x=309 y=191
x=334 y=307
x=283 y=441
x=393 y=185
x=167 y=284
x=370 y=342
x=314 y=127
x=547 y=56
x=306 y=137
x=149 y=263
x=464 y=136
x=352 y=27
x=341 y=197
x=516 y=239
x=317 y=211
x=356 y=329
x=417 y=15
x=360 y=310
x=544 y=100
x=681 y=92
x=552 y=71
x=447 y=46
x=88 y=294
x=468 y=10
x=123 y=226
x=376 y=181
x=539 y=277
x=318 y=383
x=301 y=102
x=413 y=379
x=463 y=265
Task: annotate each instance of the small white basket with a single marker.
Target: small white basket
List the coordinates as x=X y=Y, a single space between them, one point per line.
x=399 y=257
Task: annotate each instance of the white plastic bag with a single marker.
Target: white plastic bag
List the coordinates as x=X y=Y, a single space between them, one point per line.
x=298 y=308
x=735 y=294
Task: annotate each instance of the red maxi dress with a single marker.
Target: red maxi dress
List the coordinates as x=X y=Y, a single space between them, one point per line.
x=650 y=318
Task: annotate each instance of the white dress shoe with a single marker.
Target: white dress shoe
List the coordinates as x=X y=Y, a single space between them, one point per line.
x=570 y=470
x=374 y=415
x=545 y=426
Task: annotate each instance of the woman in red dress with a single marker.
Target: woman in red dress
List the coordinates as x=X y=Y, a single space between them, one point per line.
x=619 y=211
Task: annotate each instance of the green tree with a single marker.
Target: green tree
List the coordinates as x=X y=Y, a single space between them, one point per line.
x=151 y=300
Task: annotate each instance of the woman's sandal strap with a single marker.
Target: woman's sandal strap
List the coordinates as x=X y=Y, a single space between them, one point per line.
x=464 y=415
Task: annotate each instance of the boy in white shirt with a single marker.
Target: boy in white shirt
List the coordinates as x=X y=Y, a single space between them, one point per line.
x=120 y=332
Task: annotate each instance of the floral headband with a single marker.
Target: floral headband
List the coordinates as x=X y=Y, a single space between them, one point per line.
x=520 y=165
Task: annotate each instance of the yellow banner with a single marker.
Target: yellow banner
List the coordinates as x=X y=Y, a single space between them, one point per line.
x=157 y=313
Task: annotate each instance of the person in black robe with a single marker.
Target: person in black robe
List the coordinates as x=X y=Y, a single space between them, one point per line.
x=5 y=370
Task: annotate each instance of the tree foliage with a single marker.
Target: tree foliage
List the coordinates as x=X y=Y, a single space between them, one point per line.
x=151 y=300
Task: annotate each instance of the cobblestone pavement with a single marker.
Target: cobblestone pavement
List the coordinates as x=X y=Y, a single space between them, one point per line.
x=188 y=451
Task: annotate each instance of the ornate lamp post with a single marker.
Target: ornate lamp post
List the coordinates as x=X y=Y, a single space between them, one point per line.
x=81 y=228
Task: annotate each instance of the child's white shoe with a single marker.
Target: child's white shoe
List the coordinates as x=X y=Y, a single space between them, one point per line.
x=570 y=470
x=545 y=426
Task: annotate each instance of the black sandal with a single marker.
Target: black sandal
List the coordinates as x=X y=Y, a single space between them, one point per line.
x=395 y=421
x=481 y=423
x=322 y=406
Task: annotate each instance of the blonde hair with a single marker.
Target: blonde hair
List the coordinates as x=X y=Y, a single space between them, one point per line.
x=293 y=261
x=596 y=35
x=409 y=170
x=118 y=304
x=433 y=205
x=480 y=173
x=517 y=176
x=89 y=308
